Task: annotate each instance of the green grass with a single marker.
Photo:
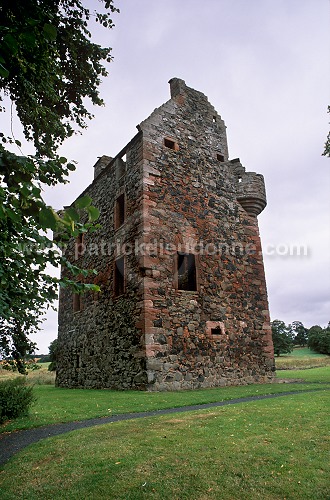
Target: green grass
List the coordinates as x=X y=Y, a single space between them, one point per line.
x=269 y=450
x=312 y=375
x=66 y=405
x=304 y=352
x=55 y=404
x=301 y=357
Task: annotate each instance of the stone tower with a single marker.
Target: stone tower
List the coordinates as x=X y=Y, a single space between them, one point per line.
x=183 y=301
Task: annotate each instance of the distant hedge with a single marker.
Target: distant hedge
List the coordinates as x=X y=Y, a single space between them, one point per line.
x=16 y=397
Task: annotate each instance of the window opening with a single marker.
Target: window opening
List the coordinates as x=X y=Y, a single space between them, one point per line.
x=79 y=248
x=78 y=361
x=77 y=302
x=171 y=144
x=120 y=167
x=220 y=157
x=214 y=119
x=120 y=211
x=187 y=272
x=216 y=331
x=119 y=287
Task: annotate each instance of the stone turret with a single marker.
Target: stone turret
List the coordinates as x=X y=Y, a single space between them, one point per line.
x=251 y=193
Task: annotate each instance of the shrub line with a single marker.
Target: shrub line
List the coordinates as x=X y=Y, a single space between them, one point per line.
x=13 y=442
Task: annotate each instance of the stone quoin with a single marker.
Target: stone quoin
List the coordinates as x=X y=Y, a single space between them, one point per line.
x=183 y=301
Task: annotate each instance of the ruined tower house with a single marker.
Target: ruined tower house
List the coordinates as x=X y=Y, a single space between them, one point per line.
x=183 y=301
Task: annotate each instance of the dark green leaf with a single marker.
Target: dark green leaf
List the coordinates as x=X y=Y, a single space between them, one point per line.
x=47 y=218
x=93 y=213
x=4 y=73
x=83 y=202
x=50 y=32
x=72 y=214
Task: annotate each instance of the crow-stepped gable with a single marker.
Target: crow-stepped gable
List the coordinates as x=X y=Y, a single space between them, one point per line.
x=183 y=301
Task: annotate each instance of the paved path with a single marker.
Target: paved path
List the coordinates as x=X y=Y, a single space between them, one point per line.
x=15 y=441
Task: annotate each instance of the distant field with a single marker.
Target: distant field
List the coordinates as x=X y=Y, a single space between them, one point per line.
x=38 y=377
x=301 y=357
x=304 y=352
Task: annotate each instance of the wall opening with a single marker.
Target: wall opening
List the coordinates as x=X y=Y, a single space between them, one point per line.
x=79 y=245
x=77 y=302
x=119 y=211
x=214 y=119
x=187 y=272
x=120 y=167
x=220 y=157
x=171 y=144
x=78 y=361
x=119 y=277
x=216 y=331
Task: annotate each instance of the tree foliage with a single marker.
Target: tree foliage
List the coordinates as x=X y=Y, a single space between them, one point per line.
x=53 y=355
x=326 y=151
x=282 y=338
x=49 y=70
x=319 y=339
x=299 y=333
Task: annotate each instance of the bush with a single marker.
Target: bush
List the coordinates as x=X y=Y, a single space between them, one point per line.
x=15 y=398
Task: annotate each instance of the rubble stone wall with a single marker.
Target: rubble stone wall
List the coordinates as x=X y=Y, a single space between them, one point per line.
x=182 y=196
x=192 y=207
x=100 y=345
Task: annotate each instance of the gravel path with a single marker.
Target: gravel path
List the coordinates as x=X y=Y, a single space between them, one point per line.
x=11 y=443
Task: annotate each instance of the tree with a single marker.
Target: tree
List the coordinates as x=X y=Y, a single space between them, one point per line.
x=319 y=339
x=49 y=67
x=299 y=333
x=326 y=151
x=53 y=355
x=282 y=338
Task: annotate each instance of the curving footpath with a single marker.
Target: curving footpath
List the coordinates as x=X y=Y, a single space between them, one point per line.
x=14 y=442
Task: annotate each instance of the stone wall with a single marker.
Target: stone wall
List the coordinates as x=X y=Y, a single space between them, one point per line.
x=100 y=345
x=182 y=196
x=192 y=205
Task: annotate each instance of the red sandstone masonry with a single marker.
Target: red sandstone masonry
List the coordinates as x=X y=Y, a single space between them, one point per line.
x=181 y=196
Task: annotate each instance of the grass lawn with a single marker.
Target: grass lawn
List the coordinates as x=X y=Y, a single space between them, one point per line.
x=64 y=405
x=269 y=449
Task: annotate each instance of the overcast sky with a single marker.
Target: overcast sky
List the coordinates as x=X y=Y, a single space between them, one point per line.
x=264 y=66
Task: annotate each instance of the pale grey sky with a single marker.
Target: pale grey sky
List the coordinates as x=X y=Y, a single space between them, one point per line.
x=264 y=66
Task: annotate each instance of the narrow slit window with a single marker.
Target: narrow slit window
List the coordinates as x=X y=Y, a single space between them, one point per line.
x=120 y=211
x=220 y=157
x=78 y=361
x=79 y=247
x=171 y=144
x=187 y=272
x=77 y=302
x=214 y=119
x=119 y=287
